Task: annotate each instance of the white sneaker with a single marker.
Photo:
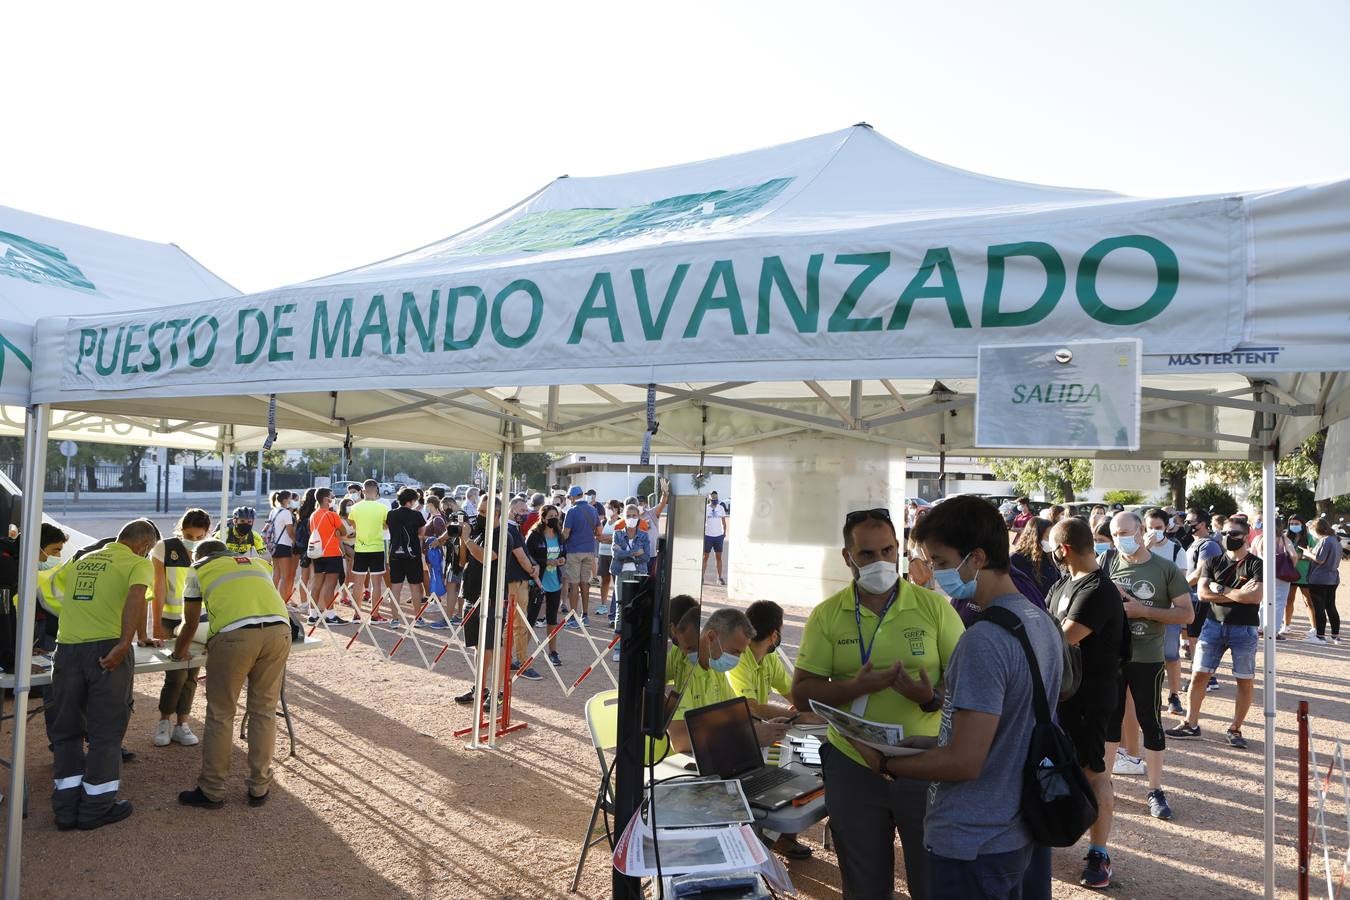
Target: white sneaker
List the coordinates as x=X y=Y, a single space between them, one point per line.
x=183 y=734
x=163 y=733
x=1312 y=638
x=1128 y=765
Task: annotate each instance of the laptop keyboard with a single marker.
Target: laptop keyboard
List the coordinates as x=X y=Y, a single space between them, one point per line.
x=764 y=780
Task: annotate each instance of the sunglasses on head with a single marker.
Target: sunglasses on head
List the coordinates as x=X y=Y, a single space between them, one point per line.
x=862 y=515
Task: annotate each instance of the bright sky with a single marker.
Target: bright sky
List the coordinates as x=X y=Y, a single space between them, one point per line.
x=282 y=141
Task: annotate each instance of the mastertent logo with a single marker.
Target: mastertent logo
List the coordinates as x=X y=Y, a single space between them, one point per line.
x=1242 y=356
x=40 y=264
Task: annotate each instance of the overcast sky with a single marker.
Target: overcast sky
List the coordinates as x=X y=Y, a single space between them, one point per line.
x=281 y=141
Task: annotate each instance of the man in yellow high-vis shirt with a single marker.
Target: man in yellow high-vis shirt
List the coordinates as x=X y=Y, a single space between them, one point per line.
x=102 y=597
x=249 y=639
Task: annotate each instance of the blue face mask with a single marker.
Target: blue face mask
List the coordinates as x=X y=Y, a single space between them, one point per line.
x=1127 y=544
x=1295 y=529
x=952 y=584
x=725 y=663
x=1101 y=546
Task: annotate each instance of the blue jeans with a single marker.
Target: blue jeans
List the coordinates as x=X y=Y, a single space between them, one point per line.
x=993 y=876
x=1239 y=640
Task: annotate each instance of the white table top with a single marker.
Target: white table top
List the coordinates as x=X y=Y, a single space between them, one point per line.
x=156 y=659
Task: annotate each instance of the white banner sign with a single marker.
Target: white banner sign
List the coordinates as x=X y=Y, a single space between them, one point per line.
x=1083 y=395
x=869 y=297
x=1127 y=475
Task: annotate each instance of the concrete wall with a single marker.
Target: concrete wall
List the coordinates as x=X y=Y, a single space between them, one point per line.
x=789 y=497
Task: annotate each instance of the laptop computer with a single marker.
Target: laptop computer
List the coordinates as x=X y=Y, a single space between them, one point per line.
x=724 y=744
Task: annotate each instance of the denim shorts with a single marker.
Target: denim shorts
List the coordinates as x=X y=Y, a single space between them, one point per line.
x=1240 y=640
x=1172 y=642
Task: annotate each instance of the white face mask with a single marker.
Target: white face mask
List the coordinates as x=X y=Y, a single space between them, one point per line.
x=1156 y=535
x=878 y=577
x=631 y=522
x=1048 y=546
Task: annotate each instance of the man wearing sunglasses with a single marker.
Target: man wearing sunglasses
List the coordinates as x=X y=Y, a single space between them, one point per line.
x=1231 y=584
x=880 y=649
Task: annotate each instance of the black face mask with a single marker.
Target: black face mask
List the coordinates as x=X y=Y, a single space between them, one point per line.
x=1234 y=543
x=552 y=523
x=1059 y=559
x=244 y=528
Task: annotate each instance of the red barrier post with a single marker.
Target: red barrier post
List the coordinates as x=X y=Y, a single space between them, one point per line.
x=1303 y=800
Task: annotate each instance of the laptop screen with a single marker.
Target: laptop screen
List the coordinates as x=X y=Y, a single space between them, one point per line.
x=724 y=739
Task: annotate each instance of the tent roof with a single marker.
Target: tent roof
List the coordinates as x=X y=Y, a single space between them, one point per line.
x=838 y=259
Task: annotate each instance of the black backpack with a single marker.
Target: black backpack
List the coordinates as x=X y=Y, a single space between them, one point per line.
x=1058 y=804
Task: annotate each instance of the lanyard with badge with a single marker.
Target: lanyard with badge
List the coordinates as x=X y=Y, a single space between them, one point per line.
x=859 y=706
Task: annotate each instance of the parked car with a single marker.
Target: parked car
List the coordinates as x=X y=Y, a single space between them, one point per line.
x=461 y=491
x=388 y=489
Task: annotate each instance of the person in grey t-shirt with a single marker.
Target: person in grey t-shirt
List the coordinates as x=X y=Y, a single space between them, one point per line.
x=977 y=843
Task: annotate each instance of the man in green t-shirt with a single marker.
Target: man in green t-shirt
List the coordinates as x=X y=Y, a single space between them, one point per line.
x=102 y=607
x=1156 y=594
x=368 y=569
x=878 y=648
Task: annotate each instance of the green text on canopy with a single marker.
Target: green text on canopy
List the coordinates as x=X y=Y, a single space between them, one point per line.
x=461 y=317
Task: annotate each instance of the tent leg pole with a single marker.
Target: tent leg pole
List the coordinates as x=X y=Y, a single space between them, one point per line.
x=34 y=482
x=487 y=508
x=226 y=460
x=1268 y=651
x=499 y=585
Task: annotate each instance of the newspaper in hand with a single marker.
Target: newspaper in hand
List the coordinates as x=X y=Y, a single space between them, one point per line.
x=880 y=736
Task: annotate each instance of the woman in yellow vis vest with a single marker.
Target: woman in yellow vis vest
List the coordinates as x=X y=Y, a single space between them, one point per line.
x=172 y=558
x=248 y=640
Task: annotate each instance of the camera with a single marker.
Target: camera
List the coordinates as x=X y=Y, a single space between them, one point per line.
x=456 y=519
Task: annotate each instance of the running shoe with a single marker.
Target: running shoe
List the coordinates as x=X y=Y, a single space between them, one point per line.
x=515 y=665
x=1184 y=730
x=1312 y=638
x=1174 y=705
x=438 y=624
x=1126 y=764
x=1214 y=684
x=722 y=581
x=335 y=619
x=585 y=619
x=163 y=733
x=465 y=698
x=553 y=658
x=1097 y=872
x=182 y=734
x=456 y=621
x=531 y=674
x=572 y=624
x=1235 y=739
x=312 y=620
x=1157 y=805
x=602 y=609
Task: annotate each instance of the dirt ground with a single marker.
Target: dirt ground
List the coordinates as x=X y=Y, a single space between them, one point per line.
x=383 y=800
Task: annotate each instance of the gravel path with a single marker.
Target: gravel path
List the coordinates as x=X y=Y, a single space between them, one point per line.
x=382 y=800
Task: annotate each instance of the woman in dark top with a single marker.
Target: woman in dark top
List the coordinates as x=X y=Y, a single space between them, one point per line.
x=544 y=545
x=1031 y=558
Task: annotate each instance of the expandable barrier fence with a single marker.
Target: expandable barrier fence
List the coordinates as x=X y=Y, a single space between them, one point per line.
x=1315 y=786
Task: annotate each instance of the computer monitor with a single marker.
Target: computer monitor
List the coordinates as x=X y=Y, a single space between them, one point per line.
x=723 y=738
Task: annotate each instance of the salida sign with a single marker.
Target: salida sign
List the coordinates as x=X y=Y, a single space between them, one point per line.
x=855 y=303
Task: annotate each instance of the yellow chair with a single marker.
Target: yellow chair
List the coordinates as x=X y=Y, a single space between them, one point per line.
x=602 y=719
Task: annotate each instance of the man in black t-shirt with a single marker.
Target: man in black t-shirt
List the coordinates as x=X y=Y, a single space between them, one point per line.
x=1231 y=584
x=406 y=529
x=1088 y=607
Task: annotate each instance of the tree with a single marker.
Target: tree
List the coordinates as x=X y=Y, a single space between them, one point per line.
x=1174 y=472
x=1211 y=498
x=1059 y=478
x=1124 y=498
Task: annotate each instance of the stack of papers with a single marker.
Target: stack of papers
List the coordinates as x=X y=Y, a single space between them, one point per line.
x=880 y=736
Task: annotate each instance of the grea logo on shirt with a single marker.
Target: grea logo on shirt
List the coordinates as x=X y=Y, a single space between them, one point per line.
x=916 y=637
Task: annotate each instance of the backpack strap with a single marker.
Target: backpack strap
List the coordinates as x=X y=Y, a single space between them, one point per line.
x=1013 y=623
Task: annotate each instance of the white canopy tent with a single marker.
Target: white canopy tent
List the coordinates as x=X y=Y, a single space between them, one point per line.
x=838 y=285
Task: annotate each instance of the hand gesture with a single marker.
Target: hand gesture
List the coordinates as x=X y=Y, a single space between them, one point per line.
x=873 y=680
x=114 y=657
x=770 y=732
x=665 y=485
x=1135 y=610
x=916 y=690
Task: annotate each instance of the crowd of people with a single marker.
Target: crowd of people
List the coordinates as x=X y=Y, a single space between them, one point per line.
x=911 y=641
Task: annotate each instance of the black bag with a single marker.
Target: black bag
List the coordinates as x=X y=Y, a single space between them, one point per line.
x=1058 y=804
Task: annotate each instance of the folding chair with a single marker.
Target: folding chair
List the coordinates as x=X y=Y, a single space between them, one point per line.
x=602 y=719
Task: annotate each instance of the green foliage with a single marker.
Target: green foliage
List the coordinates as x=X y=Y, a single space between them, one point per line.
x=1060 y=479
x=647 y=486
x=1212 y=498
x=1124 y=498
x=1291 y=496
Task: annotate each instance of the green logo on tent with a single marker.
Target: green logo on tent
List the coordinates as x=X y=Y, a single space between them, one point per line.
x=7 y=347
x=39 y=263
x=558 y=229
